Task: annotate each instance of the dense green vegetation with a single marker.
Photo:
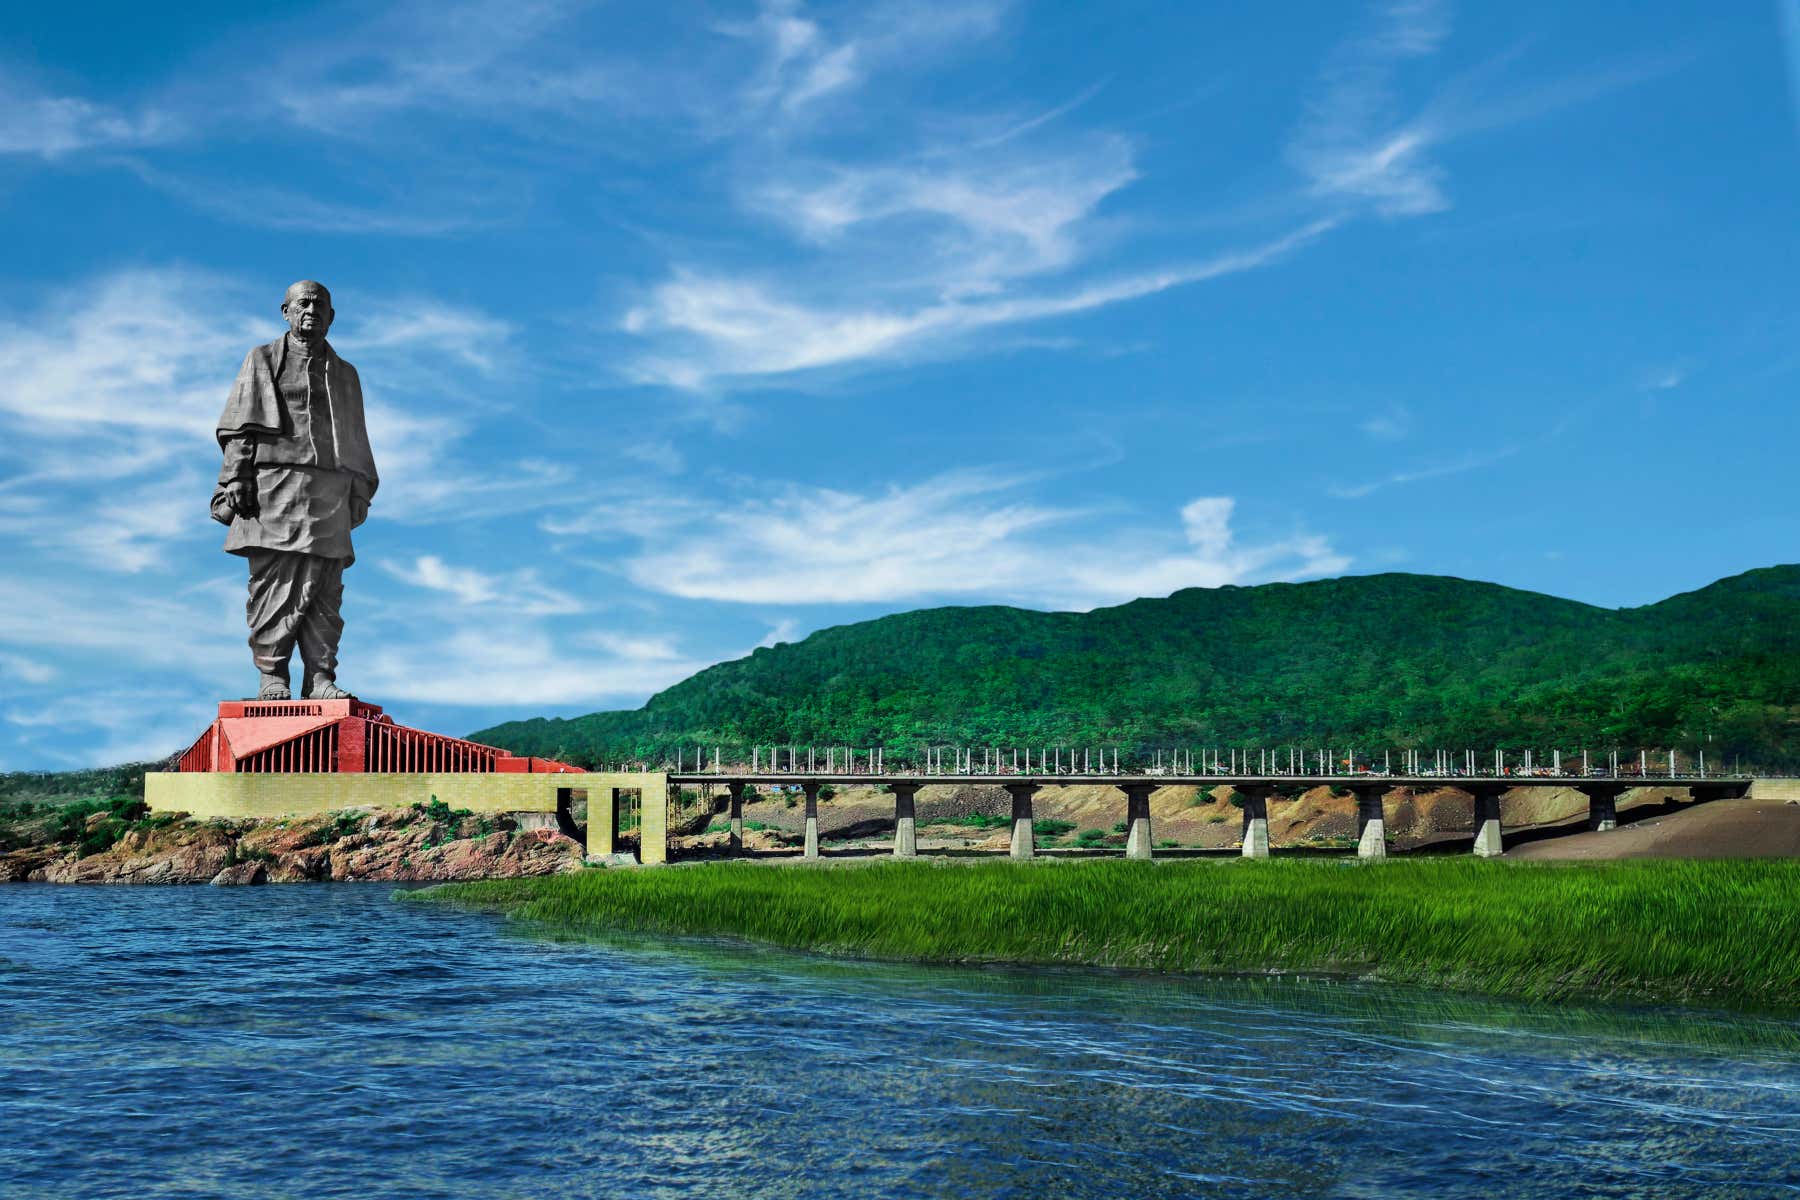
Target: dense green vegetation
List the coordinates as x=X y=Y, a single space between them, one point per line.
x=1376 y=661
x=66 y=787
x=1650 y=929
x=91 y=825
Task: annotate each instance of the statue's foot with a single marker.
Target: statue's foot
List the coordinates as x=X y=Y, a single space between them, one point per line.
x=324 y=688
x=274 y=688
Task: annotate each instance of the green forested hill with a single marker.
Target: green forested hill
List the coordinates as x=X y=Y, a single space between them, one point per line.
x=1376 y=660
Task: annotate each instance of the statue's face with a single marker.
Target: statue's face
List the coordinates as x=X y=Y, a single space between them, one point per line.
x=308 y=310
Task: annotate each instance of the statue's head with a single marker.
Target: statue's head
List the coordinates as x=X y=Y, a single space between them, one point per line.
x=307 y=307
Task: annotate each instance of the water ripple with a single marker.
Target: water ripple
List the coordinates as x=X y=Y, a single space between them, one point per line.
x=326 y=1041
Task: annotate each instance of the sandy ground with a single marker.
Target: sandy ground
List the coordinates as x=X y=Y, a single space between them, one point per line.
x=1717 y=829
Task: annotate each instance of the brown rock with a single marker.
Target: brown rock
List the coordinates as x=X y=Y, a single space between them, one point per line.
x=242 y=874
x=301 y=866
x=16 y=866
x=186 y=853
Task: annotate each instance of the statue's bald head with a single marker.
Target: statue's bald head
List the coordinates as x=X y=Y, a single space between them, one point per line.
x=307 y=307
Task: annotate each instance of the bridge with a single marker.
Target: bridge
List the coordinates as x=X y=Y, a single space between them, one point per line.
x=1601 y=786
x=292 y=758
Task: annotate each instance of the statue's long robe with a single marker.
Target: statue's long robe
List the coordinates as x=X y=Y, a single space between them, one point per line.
x=293 y=427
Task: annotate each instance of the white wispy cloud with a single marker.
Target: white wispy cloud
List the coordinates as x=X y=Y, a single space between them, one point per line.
x=153 y=626
x=521 y=593
x=1362 y=145
x=26 y=670
x=1437 y=470
x=784 y=630
x=1354 y=144
x=507 y=664
x=803 y=60
x=138 y=349
x=1391 y=424
x=1665 y=378
x=716 y=329
x=632 y=647
x=142 y=724
x=955 y=535
x=38 y=124
x=983 y=217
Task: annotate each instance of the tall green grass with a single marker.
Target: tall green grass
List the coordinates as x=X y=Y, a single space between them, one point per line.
x=1653 y=930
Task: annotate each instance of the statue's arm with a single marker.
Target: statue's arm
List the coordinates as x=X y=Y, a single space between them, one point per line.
x=362 y=487
x=235 y=494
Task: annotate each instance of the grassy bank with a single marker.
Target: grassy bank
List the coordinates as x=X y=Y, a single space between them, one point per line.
x=1715 y=932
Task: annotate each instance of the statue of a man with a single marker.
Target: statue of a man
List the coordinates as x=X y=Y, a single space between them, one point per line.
x=298 y=477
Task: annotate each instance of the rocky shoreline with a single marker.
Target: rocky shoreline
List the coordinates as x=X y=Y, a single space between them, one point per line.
x=394 y=845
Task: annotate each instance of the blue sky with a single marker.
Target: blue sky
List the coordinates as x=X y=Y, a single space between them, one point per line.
x=688 y=328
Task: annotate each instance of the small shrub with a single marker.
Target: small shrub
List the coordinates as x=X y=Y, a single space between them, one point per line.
x=1051 y=829
x=342 y=825
x=237 y=853
x=974 y=821
x=1121 y=827
x=1090 y=838
x=440 y=812
x=826 y=791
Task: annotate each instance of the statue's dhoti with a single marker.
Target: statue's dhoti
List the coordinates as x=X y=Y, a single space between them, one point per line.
x=295 y=599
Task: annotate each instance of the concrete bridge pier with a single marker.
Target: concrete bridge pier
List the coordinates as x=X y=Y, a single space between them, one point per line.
x=1488 y=841
x=1024 y=843
x=736 y=788
x=1137 y=819
x=1603 y=805
x=1371 y=825
x=906 y=838
x=1256 y=819
x=812 y=820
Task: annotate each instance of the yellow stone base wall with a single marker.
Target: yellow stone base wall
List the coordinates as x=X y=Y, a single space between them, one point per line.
x=263 y=797
x=1775 y=789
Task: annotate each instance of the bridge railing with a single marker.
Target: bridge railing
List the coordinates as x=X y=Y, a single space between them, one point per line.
x=1000 y=763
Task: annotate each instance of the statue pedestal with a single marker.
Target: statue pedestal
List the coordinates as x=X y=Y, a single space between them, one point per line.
x=346 y=737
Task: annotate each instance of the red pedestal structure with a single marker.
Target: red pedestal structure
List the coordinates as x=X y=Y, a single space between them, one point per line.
x=308 y=736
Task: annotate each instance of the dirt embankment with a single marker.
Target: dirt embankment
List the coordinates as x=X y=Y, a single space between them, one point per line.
x=1742 y=828
x=977 y=816
x=388 y=845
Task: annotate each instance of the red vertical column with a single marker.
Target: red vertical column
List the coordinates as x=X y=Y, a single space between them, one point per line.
x=352 y=734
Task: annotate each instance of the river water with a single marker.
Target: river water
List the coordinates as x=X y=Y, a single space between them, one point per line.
x=327 y=1040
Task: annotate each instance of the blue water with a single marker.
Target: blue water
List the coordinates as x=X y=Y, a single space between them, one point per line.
x=329 y=1041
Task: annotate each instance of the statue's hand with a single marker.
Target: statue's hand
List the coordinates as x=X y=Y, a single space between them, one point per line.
x=242 y=494
x=359 y=509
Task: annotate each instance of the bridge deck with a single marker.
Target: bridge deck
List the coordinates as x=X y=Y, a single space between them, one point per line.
x=1050 y=779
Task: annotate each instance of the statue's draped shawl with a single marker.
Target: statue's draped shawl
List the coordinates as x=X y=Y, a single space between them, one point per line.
x=255 y=408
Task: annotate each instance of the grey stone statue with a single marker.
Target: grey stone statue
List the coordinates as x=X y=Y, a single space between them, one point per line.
x=298 y=477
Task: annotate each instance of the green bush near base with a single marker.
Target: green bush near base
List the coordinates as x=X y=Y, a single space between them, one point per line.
x=1707 y=932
